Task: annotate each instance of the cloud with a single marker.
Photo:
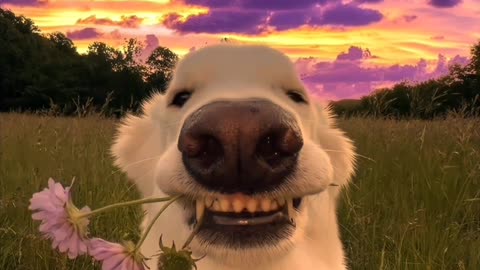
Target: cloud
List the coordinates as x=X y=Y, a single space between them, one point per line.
x=256 y=17
x=269 y=5
x=444 y=3
x=23 y=2
x=354 y=53
x=410 y=18
x=126 y=21
x=289 y=20
x=348 y=76
x=367 y=1
x=219 y=21
x=281 y=4
x=437 y=37
x=151 y=43
x=348 y=15
x=85 y=33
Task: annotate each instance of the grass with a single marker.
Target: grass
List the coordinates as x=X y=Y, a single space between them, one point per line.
x=414 y=203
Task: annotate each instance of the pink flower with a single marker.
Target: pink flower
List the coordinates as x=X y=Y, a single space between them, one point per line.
x=61 y=220
x=116 y=256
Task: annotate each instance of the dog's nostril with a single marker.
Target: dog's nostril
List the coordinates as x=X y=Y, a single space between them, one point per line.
x=291 y=142
x=204 y=148
x=277 y=145
x=193 y=147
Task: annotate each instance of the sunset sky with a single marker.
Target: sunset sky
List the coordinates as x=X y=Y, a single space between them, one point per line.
x=343 y=48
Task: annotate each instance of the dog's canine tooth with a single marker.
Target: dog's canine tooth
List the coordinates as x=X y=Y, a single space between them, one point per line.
x=208 y=201
x=265 y=204
x=252 y=205
x=225 y=205
x=238 y=205
x=200 y=209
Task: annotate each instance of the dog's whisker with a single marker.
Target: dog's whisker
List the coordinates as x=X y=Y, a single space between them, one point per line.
x=356 y=154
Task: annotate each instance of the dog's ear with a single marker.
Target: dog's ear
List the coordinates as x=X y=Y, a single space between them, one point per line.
x=139 y=143
x=338 y=146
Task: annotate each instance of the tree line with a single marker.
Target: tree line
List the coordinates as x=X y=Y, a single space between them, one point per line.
x=44 y=72
x=457 y=92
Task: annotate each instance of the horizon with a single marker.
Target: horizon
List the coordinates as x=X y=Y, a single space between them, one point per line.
x=362 y=45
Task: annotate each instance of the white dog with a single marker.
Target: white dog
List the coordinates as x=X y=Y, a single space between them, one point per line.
x=259 y=160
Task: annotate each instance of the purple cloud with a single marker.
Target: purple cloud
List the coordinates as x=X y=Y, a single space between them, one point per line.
x=151 y=43
x=348 y=77
x=211 y=3
x=348 y=15
x=367 y=1
x=282 y=4
x=85 y=33
x=22 y=2
x=288 y=20
x=270 y=5
x=444 y=3
x=254 y=17
x=354 y=53
x=410 y=18
x=219 y=21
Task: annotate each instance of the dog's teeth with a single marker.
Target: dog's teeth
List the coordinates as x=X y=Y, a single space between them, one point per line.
x=208 y=201
x=216 y=206
x=252 y=205
x=224 y=205
x=265 y=205
x=273 y=205
x=281 y=201
x=238 y=205
x=200 y=210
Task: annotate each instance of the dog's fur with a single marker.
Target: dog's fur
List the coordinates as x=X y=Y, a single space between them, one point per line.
x=146 y=149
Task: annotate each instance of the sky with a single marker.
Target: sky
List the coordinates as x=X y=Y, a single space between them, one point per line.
x=341 y=48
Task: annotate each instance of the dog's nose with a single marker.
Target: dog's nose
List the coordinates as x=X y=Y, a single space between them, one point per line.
x=244 y=146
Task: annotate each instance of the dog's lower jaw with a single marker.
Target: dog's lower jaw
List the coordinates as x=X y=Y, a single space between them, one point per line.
x=319 y=248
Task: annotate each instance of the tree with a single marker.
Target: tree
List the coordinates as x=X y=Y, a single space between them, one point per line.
x=475 y=59
x=160 y=65
x=62 y=43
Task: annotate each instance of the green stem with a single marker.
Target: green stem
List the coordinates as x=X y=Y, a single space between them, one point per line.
x=193 y=233
x=164 y=207
x=134 y=202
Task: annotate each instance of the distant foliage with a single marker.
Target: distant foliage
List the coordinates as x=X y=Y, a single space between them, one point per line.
x=457 y=92
x=45 y=73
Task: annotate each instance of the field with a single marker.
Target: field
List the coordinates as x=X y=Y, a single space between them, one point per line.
x=414 y=203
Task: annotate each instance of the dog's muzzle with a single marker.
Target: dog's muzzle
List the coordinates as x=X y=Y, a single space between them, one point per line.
x=239 y=150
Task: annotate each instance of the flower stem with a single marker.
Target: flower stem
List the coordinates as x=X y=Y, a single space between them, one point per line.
x=164 y=207
x=193 y=233
x=134 y=202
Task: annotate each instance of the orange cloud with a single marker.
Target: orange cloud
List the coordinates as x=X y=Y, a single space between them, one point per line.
x=125 y=21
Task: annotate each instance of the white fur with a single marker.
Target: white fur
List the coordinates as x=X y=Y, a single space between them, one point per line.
x=146 y=149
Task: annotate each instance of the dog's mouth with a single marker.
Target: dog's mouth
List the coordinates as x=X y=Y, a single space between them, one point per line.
x=241 y=221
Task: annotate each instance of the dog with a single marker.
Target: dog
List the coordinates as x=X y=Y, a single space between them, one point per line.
x=258 y=159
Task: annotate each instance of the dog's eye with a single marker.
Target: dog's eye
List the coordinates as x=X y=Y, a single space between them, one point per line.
x=181 y=98
x=296 y=97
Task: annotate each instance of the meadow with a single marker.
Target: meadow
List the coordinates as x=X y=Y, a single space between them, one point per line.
x=413 y=204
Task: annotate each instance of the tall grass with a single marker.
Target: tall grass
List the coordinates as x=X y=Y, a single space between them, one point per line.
x=414 y=203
